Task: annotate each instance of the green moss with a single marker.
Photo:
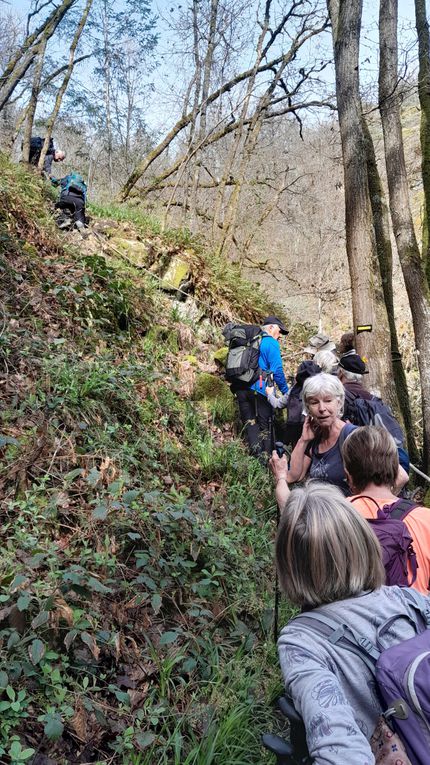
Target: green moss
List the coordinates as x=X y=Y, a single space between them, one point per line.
x=215 y=396
x=177 y=272
x=221 y=355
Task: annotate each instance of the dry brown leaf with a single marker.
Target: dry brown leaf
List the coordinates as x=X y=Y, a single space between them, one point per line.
x=64 y=611
x=79 y=721
x=138 y=696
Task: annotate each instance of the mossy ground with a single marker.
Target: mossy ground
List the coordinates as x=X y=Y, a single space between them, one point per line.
x=136 y=581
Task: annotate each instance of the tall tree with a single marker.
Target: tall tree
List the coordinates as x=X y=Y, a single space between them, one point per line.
x=401 y=217
x=424 y=97
x=63 y=87
x=366 y=290
x=32 y=46
x=381 y=224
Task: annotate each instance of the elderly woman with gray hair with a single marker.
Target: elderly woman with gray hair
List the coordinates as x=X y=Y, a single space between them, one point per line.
x=317 y=454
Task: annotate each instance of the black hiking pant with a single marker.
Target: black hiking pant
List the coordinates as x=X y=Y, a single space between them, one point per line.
x=256 y=414
x=75 y=203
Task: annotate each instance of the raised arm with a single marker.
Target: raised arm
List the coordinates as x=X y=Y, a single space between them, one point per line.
x=300 y=462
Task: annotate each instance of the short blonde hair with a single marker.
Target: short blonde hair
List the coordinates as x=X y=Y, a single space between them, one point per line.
x=321 y=385
x=325 y=550
x=327 y=360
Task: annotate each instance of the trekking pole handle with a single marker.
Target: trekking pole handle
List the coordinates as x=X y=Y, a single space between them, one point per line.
x=279 y=448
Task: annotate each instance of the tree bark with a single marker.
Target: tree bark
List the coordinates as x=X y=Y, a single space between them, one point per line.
x=424 y=97
x=401 y=217
x=21 y=61
x=32 y=104
x=381 y=226
x=63 y=87
x=366 y=291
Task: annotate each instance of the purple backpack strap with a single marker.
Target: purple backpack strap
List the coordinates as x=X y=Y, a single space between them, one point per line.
x=399 y=511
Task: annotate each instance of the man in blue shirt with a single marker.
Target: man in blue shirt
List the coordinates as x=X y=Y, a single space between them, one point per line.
x=255 y=410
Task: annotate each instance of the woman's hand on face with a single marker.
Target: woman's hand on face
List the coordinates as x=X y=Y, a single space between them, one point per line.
x=279 y=466
x=308 y=432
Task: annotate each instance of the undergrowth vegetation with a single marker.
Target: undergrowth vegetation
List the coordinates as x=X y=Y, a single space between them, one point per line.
x=136 y=581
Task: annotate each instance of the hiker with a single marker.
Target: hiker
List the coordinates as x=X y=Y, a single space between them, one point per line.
x=72 y=199
x=319 y=342
x=351 y=370
x=329 y=565
x=291 y=431
x=371 y=463
x=317 y=453
x=363 y=408
x=52 y=155
x=327 y=361
x=255 y=410
x=346 y=345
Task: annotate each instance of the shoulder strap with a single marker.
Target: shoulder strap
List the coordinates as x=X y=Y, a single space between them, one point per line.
x=343 y=635
x=401 y=508
x=363 y=496
x=345 y=432
x=414 y=600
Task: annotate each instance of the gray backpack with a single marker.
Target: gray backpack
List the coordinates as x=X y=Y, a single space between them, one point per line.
x=243 y=352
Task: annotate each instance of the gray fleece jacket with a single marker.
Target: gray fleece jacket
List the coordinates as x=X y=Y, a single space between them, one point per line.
x=331 y=687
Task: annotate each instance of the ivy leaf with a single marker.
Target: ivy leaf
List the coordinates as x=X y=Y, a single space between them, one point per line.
x=23 y=602
x=3 y=679
x=156 y=602
x=99 y=513
x=143 y=740
x=40 y=619
x=36 y=651
x=168 y=637
x=93 y=477
x=53 y=727
x=129 y=496
x=97 y=586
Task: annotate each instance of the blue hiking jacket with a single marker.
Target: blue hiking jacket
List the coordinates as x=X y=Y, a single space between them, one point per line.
x=270 y=361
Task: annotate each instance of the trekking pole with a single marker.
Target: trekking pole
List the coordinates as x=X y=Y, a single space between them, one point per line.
x=279 y=446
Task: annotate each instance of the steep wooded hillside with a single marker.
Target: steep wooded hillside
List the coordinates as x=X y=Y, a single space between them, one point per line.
x=136 y=580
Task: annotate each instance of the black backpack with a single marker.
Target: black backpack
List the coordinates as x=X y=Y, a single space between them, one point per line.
x=361 y=411
x=36 y=144
x=243 y=352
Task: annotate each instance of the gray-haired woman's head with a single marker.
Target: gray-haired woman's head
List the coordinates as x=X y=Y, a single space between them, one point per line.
x=325 y=550
x=323 y=385
x=327 y=360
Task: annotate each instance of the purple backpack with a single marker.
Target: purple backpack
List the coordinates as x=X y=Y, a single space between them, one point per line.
x=395 y=540
x=402 y=672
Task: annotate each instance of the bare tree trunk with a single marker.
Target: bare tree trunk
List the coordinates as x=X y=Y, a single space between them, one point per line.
x=401 y=217
x=424 y=96
x=366 y=292
x=381 y=226
x=207 y=72
x=63 y=87
x=20 y=62
x=32 y=105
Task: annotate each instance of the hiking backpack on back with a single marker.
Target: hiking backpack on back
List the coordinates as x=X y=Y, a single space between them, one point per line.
x=75 y=184
x=373 y=411
x=243 y=352
x=36 y=145
x=395 y=540
x=402 y=671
